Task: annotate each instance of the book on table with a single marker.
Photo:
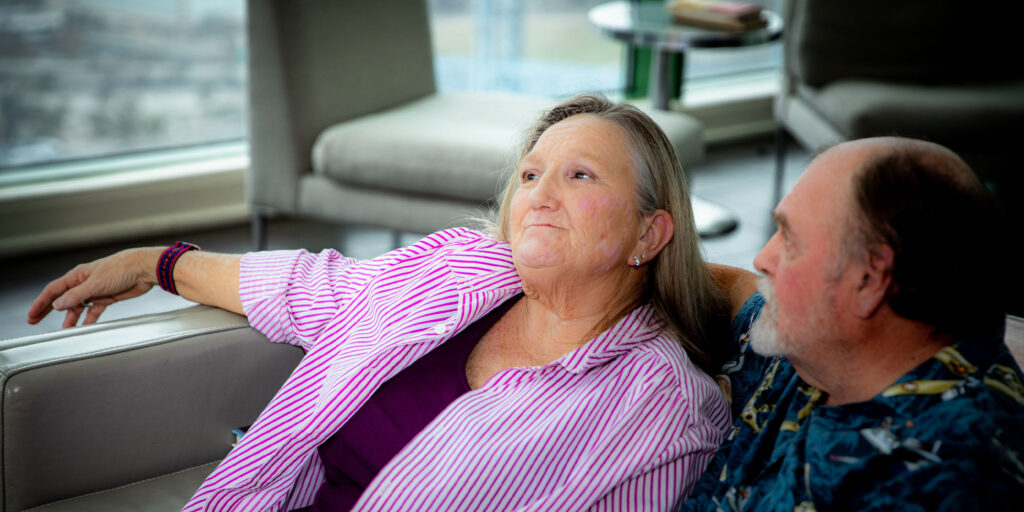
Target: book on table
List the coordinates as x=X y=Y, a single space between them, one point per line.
x=717 y=14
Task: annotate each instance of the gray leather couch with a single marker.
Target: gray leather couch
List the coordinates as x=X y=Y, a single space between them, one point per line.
x=131 y=414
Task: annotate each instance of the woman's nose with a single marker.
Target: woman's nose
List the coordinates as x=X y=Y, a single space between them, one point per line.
x=545 y=192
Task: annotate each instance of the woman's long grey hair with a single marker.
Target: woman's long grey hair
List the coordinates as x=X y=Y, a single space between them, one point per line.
x=679 y=285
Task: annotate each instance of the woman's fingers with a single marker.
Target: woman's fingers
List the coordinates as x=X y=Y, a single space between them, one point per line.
x=43 y=304
x=71 y=316
x=103 y=282
x=92 y=309
x=93 y=313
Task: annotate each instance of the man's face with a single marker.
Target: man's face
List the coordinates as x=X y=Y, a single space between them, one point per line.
x=803 y=262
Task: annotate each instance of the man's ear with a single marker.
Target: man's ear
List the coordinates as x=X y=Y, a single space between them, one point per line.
x=657 y=235
x=875 y=279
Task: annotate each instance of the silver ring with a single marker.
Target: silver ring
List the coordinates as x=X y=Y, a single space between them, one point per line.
x=86 y=304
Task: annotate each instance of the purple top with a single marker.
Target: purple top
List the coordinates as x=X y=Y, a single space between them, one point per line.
x=396 y=412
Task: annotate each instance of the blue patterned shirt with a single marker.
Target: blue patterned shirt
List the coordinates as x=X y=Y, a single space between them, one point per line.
x=949 y=435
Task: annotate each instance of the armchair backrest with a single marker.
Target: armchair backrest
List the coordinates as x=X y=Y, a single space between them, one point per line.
x=921 y=41
x=313 y=64
x=97 y=407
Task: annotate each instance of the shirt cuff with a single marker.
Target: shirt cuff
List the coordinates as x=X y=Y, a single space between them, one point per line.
x=263 y=282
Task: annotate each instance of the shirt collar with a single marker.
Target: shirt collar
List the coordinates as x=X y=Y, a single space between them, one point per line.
x=641 y=325
x=954 y=370
x=968 y=356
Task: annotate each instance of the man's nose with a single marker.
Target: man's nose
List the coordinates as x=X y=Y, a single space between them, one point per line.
x=768 y=257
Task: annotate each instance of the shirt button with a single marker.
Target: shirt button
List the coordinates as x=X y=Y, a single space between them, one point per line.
x=439 y=329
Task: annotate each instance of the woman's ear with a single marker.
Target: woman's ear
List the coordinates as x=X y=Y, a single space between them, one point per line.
x=657 y=235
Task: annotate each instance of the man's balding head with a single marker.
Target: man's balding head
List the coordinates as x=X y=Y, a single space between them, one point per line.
x=924 y=202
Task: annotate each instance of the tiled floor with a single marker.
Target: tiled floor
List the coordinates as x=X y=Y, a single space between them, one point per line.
x=738 y=176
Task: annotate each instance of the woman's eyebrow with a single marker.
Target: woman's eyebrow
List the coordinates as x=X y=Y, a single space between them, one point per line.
x=528 y=159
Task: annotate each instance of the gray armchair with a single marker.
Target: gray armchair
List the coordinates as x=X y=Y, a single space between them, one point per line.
x=346 y=124
x=916 y=68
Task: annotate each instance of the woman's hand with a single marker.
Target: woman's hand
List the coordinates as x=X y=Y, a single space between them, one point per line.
x=206 y=278
x=91 y=287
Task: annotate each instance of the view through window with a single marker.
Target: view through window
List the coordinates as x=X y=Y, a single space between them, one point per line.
x=88 y=78
x=540 y=47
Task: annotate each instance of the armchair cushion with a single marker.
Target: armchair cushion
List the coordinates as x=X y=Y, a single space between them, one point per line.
x=961 y=116
x=444 y=145
x=452 y=146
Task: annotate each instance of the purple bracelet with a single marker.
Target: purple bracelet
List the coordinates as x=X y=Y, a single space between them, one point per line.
x=165 y=266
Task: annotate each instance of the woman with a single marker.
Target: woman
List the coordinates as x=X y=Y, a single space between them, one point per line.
x=548 y=365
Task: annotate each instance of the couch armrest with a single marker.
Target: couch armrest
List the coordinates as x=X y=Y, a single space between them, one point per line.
x=96 y=407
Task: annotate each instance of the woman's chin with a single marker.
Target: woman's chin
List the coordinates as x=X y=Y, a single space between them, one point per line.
x=536 y=258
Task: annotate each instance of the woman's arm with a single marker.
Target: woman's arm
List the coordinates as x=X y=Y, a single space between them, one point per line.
x=203 y=277
x=737 y=284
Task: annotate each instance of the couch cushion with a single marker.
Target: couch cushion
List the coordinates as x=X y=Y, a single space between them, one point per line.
x=453 y=145
x=166 y=493
x=961 y=117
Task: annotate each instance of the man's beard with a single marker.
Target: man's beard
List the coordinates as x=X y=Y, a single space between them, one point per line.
x=764 y=334
x=766 y=338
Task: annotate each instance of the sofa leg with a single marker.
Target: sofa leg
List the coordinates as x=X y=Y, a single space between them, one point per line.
x=780 y=164
x=259 y=230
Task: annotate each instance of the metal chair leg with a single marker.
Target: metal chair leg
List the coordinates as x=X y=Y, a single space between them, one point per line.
x=259 y=230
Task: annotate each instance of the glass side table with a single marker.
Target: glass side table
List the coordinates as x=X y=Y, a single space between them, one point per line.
x=652 y=25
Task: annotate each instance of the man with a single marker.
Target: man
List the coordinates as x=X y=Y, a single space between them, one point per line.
x=877 y=378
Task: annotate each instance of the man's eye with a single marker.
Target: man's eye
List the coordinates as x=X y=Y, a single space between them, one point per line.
x=581 y=175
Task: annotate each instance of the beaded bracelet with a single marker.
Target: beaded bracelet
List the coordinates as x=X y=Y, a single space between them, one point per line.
x=165 y=265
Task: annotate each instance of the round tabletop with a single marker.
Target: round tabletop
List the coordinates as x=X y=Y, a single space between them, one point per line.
x=651 y=24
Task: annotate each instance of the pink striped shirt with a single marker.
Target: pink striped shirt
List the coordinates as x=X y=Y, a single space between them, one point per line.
x=625 y=422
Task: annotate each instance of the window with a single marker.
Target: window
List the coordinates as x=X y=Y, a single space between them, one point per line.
x=90 y=78
x=538 y=47
x=547 y=47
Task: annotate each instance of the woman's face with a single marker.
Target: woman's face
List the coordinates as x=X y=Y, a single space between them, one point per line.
x=575 y=207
